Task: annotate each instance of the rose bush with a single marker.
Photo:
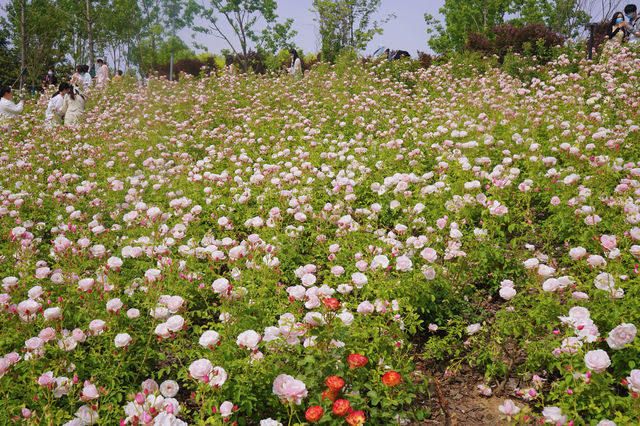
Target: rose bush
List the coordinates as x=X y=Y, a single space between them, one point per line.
x=266 y=249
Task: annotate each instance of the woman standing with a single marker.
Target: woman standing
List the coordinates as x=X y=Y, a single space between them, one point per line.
x=618 y=29
x=296 y=64
x=73 y=107
x=53 y=116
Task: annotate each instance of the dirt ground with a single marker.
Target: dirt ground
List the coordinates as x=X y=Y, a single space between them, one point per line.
x=458 y=402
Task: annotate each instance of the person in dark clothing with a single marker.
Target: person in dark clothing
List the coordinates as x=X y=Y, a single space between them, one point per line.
x=399 y=54
x=49 y=79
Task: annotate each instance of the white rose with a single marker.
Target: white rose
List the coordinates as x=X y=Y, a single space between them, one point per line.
x=473 y=328
x=209 y=339
x=169 y=388
x=507 y=293
x=122 y=340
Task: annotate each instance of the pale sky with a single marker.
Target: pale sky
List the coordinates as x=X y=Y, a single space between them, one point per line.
x=407 y=31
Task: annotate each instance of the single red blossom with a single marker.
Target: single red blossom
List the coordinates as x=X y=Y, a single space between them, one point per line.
x=391 y=378
x=357 y=360
x=356 y=418
x=314 y=413
x=334 y=383
x=329 y=394
x=342 y=407
x=331 y=303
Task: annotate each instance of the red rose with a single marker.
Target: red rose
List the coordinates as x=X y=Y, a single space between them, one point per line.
x=331 y=303
x=356 y=418
x=391 y=378
x=357 y=360
x=329 y=394
x=314 y=413
x=342 y=407
x=334 y=383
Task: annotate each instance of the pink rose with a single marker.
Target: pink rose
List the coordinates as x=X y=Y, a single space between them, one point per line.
x=634 y=381
x=175 y=323
x=621 y=336
x=89 y=392
x=248 y=339
x=403 y=264
x=51 y=314
x=507 y=293
x=597 y=361
x=359 y=279
x=97 y=326
x=114 y=305
x=577 y=253
x=85 y=284
x=608 y=242
x=34 y=344
x=508 y=408
x=554 y=415
x=226 y=409
x=365 y=308
x=200 y=370
x=209 y=339
x=429 y=254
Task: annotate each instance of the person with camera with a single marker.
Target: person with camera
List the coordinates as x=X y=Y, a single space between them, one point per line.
x=8 y=110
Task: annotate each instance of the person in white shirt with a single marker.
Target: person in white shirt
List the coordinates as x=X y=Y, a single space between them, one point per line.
x=8 y=110
x=296 y=64
x=53 y=117
x=102 y=76
x=86 y=76
x=73 y=106
x=631 y=12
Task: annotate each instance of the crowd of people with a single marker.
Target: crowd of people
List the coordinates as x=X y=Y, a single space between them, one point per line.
x=66 y=106
x=623 y=30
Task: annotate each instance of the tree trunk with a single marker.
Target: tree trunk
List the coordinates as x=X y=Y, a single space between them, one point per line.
x=90 y=35
x=23 y=42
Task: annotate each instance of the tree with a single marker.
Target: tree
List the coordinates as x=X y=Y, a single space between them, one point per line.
x=461 y=17
x=277 y=37
x=566 y=17
x=241 y=16
x=346 y=24
x=34 y=29
x=9 y=68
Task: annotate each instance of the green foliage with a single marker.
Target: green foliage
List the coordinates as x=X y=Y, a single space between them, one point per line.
x=278 y=37
x=462 y=18
x=346 y=24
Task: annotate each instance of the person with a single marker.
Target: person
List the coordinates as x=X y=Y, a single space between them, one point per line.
x=53 y=117
x=86 y=76
x=102 y=76
x=228 y=64
x=76 y=78
x=631 y=11
x=49 y=79
x=8 y=110
x=296 y=64
x=617 y=30
x=118 y=76
x=73 y=106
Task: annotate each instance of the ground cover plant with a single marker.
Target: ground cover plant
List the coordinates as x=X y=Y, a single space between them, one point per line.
x=263 y=250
